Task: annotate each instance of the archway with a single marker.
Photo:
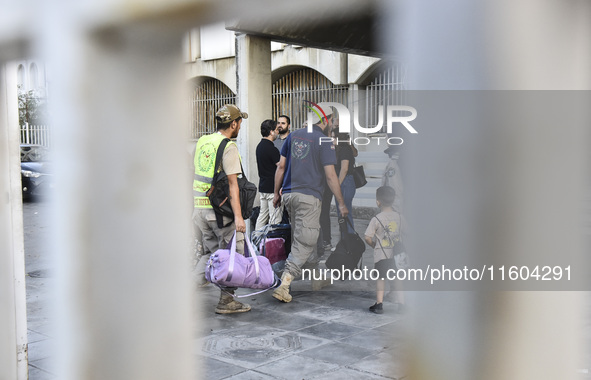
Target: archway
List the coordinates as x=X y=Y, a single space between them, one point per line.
x=207 y=97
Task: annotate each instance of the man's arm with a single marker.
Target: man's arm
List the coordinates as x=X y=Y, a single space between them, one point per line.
x=279 y=173
x=369 y=241
x=333 y=184
x=235 y=202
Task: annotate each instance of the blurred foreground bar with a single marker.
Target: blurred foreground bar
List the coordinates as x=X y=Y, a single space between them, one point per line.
x=500 y=186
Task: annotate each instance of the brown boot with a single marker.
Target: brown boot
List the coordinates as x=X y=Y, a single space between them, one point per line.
x=228 y=304
x=282 y=292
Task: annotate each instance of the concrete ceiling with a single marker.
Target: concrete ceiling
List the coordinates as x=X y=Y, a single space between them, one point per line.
x=354 y=32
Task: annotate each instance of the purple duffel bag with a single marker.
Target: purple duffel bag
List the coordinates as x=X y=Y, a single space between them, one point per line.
x=226 y=267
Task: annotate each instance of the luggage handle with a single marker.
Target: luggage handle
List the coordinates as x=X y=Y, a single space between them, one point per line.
x=244 y=295
x=254 y=256
x=342 y=225
x=232 y=257
x=250 y=250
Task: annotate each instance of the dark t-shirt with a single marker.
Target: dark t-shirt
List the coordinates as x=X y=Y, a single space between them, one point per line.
x=345 y=152
x=267 y=159
x=279 y=142
x=306 y=156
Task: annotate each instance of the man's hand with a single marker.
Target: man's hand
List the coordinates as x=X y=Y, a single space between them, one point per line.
x=334 y=186
x=279 y=172
x=276 y=200
x=240 y=224
x=344 y=211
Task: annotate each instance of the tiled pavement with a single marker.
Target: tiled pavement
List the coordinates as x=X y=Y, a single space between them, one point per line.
x=39 y=281
x=319 y=335
x=326 y=334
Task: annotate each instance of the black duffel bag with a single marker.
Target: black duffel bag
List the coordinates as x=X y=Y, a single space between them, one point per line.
x=219 y=193
x=348 y=251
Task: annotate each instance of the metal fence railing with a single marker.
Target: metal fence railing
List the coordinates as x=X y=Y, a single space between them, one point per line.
x=207 y=98
x=36 y=134
x=290 y=91
x=387 y=88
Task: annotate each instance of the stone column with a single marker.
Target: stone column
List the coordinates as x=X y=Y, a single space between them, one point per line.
x=124 y=205
x=253 y=72
x=13 y=313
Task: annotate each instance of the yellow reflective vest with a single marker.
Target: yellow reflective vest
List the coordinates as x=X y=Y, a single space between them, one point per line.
x=205 y=155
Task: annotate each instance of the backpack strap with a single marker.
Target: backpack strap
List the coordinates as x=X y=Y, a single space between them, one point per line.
x=217 y=170
x=388 y=233
x=218 y=158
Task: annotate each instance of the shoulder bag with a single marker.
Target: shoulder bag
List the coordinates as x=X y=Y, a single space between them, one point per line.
x=219 y=193
x=359 y=176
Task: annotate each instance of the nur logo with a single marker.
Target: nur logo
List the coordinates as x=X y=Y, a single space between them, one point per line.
x=345 y=117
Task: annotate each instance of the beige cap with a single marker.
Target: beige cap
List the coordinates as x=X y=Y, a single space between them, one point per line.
x=327 y=111
x=228 y=113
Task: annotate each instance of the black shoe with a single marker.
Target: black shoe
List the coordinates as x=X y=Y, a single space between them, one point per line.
x=376 y=308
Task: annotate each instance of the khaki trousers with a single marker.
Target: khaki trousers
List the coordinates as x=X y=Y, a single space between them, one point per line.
x=213 y=238
x=304 y=213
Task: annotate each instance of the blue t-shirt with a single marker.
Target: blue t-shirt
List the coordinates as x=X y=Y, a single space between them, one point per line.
x=306 y=156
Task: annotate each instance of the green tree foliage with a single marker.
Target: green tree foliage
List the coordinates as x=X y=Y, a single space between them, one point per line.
x=32 y=108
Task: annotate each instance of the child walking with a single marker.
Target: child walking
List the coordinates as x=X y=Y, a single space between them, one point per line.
x=384 y=234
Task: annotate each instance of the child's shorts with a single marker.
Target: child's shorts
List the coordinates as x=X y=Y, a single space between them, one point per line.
x=383 y=266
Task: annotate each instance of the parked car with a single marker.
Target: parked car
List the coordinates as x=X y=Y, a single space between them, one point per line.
x=36 y=176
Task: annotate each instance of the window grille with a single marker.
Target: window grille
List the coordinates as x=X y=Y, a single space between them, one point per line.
x=290 y=91
x=207 y=98
x=387 y=88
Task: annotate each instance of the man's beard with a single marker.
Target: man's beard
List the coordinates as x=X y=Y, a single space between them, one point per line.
x=281 y=131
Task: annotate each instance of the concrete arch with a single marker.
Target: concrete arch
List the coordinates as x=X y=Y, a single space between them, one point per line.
x=223 y=70
x=199 y=80
x=368 y=75
x=286 y=70
x=331 y=64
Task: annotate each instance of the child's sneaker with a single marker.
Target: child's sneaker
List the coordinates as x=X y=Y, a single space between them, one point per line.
x=376 y=308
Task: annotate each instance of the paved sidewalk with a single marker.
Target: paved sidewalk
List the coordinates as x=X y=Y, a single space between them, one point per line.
x=39 y=283
x=328 y=334
x=319 y=335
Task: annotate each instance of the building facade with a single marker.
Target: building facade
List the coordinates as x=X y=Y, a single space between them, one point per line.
x=289 y=75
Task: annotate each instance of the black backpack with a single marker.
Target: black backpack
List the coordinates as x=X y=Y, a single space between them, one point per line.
x=219 y=193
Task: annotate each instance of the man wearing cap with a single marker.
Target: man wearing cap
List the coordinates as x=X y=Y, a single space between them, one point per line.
x=306 y=164
x=228 y=120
